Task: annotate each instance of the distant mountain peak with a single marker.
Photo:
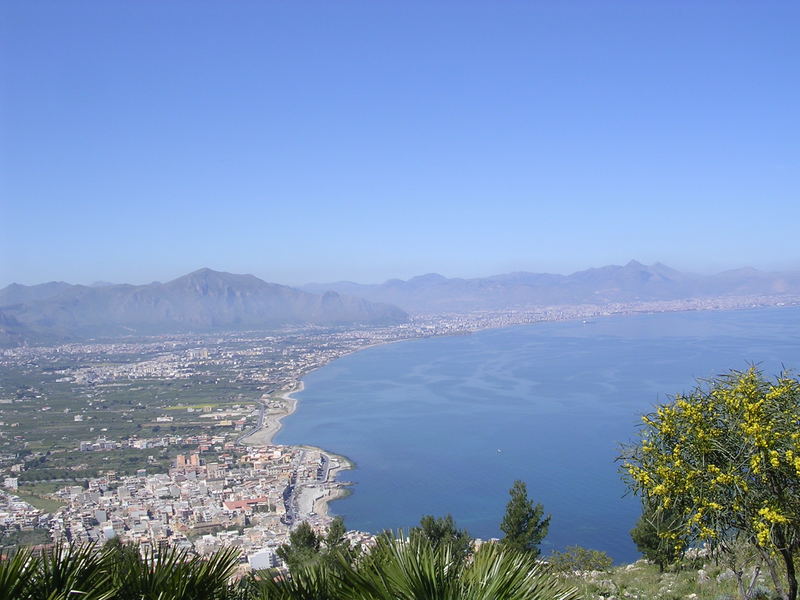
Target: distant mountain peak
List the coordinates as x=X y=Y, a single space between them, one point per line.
x=205 y=272
x=635 y=264
x=210 y=276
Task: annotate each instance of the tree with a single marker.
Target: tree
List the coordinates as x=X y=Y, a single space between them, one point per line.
x=443 y=532
x=337 y=549
x=303 y=547
x=645 y=535
x=307 y=549
x=523 y=523
x=334 y=538
x=726 y=460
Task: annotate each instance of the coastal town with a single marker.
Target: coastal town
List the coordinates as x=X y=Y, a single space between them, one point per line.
x=169 y=440
x=248 y=500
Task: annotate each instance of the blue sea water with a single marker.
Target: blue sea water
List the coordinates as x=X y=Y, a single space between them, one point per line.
x=445 y=425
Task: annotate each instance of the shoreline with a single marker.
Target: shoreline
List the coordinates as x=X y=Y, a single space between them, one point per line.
x=272 y=424
x=335 y=490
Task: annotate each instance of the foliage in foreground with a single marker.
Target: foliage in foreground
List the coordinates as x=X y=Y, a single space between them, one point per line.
x=724 y=462
x=116 y=572
x=414 y=568
x=396 y=569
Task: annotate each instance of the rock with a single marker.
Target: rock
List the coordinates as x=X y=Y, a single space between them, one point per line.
x=726 y=575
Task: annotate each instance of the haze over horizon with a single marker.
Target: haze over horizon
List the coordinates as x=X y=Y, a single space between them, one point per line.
x=101 y=283
x=313 y=142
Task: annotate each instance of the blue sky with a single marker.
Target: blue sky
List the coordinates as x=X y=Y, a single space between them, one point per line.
x=317 y=141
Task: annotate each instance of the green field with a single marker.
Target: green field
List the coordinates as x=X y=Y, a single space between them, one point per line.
x=40 y=489
x=48 y=505
x=14 y=538
x=39 y=425
x=45 y=414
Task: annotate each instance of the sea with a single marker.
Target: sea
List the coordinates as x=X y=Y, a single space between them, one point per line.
x=445 y=425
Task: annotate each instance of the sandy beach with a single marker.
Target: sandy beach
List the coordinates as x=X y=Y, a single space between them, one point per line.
x=273 y=416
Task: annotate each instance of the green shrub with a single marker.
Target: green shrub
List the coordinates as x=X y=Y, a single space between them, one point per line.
x=577 y=558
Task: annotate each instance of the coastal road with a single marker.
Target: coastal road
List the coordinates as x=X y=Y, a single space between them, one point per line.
x=290 y=501
x=261 y=414
x=290 y=493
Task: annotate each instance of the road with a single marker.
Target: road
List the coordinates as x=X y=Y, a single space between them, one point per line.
x=261 y=414
x=289 y=494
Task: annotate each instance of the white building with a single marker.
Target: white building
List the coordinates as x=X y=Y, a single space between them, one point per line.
x=263 y=559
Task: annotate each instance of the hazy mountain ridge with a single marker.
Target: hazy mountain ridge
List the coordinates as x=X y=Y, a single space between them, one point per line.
x=17 y=293
x=207 y=300
x=204 y=300
x=633 y=282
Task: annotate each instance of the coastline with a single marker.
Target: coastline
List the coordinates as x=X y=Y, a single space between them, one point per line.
x=271 y=424
x=331 y=489
x=265 y=434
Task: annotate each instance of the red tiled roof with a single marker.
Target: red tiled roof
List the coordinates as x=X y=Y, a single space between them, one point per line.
x=236 y=504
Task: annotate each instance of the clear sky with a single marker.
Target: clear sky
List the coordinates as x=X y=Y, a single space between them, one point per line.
x=318 y=141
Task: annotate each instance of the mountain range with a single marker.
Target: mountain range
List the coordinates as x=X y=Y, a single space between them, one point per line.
x=633 y=282
x=201 y=301
x=207 y=300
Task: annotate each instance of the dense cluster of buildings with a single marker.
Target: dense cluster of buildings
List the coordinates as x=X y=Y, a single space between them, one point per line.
x=248 y=500
x=15 y=513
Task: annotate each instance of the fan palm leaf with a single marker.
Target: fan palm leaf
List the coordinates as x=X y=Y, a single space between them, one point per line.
x=415 y=570
x=175 y=575
x=66 y=573
x=318 y=581
x=16 y=573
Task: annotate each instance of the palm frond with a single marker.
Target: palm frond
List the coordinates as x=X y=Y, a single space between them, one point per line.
x=15 y=574
x=175 y=575
x=69 y=572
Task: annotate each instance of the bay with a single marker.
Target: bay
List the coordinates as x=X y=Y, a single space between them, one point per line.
x=445 y=425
